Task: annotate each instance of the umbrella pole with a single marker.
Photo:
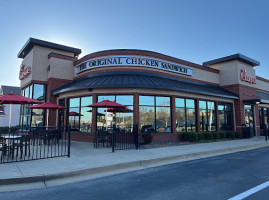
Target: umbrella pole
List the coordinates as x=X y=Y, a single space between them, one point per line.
x=10 y=111
x=48 y=117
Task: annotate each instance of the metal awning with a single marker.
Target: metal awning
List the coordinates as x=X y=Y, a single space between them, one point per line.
x=262 y=98
x=143 y=80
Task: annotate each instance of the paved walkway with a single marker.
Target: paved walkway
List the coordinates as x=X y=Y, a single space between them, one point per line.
x=87 y=162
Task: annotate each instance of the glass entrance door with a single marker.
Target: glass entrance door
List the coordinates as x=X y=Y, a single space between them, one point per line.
x=249 y=119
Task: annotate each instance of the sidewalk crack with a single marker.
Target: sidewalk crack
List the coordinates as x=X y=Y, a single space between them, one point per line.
x=19 y=170
x=44 y=180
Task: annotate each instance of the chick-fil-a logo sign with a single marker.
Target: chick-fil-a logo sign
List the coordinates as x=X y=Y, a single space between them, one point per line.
x=24 y=72
x=245 y=78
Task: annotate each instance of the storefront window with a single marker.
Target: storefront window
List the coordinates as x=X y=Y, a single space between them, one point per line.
x=122 y=120
x=266 y=115
x=61 y=113
x=155 y=114
x=185 y=115
x=261 y=117
x=32 y=118
x=39 y=92
x=225 y=116
x=207 y=116
x=80 y=116
x=37 y=118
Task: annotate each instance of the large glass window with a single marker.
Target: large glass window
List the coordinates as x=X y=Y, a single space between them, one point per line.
x=249 y=116
x=80 y=116
x=185 y=115
x=33 y=118
x=122 y=119
x=155 y=114
x=225 y=116
x=207 y=116
x=266 y=115
x=61 y=113
x=39 y=92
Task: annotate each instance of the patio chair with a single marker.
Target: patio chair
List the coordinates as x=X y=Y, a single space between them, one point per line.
x=101 y=137
x=21 y=145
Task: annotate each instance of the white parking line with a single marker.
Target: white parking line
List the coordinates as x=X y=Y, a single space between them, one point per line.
x=250 y=191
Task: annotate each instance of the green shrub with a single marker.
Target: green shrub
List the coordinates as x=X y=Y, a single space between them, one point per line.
x=6 y=129
x=222 y=135
x=216 y=136
x=208 y=136
x=201 y=136
x=237 y=135
x=147 y=137
x=230 y=134
x=190 y=136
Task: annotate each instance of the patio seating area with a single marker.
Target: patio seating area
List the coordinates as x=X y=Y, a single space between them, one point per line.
x=34 y=144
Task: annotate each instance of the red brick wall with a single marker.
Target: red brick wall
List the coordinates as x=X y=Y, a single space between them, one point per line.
x=52 y=84
x=245 y=93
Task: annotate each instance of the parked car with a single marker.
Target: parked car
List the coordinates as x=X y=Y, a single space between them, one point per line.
x=147 y=128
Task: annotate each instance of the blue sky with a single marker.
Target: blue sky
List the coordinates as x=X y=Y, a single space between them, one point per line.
x=193 y=30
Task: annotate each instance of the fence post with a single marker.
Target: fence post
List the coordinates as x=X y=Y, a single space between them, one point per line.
x=113 y=137
x=69 y=141
x=136 y=136
x=266 y=129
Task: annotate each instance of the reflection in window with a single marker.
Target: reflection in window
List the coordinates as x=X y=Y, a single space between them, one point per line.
x=249 y=116
x=61 y=113
x=80 y=116
x=32 y=118
x=207 y=116
x=225 y=116
x=185 y=115
x=155 y=114
x=266 y=115
x=39 y=92
x=37 y=117
x=122 y=119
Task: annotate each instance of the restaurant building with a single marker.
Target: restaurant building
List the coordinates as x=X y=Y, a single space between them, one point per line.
x=166 y=95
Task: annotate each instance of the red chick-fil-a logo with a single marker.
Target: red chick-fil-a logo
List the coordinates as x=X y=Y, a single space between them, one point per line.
x=24 y=72
x=245 y=78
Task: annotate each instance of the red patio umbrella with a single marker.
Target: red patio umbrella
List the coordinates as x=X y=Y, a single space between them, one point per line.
x=1 y=107
x=74 y=114
x=11 y=98
x=47 y=105
x=98 y=114
x=121 y=110
x=107 y=104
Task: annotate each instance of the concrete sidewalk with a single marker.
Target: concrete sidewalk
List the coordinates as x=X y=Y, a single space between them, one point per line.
x=87 y=162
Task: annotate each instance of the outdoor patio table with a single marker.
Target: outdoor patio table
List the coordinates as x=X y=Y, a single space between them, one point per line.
x=10 y=139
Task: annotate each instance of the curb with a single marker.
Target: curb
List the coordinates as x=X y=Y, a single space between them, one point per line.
x=125 y=167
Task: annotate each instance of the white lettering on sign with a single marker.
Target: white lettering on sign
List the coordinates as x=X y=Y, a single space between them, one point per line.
x=133 y=61
x=24 y=72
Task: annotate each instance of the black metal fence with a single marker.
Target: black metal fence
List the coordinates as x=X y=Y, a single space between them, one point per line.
x=38 y=143
x=116 y=139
